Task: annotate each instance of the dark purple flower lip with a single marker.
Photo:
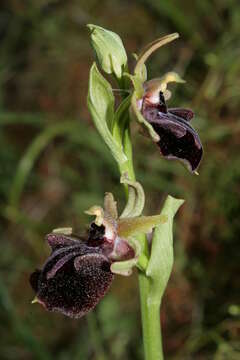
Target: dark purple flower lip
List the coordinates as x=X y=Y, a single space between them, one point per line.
x=178 y=140
x=77 y=274
x=74 y=278
x=185 y=114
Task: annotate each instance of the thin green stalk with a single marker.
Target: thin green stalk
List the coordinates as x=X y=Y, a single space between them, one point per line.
x=150 y=312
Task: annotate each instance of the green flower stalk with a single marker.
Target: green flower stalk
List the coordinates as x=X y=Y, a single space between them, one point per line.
x=116 y=244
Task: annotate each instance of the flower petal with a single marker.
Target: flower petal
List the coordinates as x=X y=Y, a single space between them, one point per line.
x=178 y=140
x=57 y=241
x=34 y=277
x=73 y=280
x=186 y=114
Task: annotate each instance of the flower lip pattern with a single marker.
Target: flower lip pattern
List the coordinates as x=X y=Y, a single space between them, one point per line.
x=178 y=140
x=74 y=278
x=78 y=273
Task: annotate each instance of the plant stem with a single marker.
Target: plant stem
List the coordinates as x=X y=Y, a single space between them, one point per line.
x=150 y=311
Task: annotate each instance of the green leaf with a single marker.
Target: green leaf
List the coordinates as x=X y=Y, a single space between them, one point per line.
x=161 y=260
x=101 y=106
x=109 y=49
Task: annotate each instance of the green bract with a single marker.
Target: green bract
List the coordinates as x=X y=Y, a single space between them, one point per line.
x=161 y=259
x=101 y=106
x=109 y=49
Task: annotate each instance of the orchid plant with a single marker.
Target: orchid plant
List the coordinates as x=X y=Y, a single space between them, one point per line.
x=79 y=271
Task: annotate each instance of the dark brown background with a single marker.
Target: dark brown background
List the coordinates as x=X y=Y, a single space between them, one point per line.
x=50 y=173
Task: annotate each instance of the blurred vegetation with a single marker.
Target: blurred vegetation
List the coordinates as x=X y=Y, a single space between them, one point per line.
x=53 y=165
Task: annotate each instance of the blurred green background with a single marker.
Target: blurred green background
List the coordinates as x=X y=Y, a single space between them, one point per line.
x=53 y=166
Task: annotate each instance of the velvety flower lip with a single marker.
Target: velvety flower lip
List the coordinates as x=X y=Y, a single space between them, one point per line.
x=178 y=140
x=74 y=278
x=79 y=272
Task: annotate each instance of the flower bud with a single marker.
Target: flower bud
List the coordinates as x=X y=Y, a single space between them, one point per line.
x=109 y=50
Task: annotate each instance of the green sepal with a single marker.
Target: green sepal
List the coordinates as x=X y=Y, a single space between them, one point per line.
x=143 y=71
x=128 y=227
x=151 y=48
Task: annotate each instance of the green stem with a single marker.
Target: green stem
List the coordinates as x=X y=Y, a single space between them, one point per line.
x=150 y=312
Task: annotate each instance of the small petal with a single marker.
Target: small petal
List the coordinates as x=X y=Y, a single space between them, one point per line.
x=119 y=249
x=155 y=86
x=57 y=241
x=186 y=114
x=122 y=250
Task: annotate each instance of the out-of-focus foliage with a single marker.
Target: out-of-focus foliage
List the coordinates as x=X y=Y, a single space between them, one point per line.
x=53 y=165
